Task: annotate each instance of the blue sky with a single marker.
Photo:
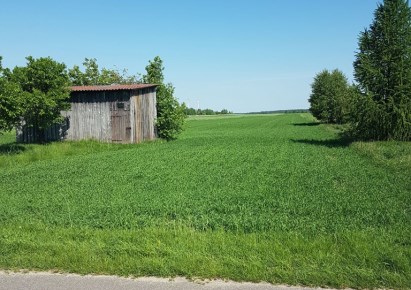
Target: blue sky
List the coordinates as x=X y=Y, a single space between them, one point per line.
x=240 y=55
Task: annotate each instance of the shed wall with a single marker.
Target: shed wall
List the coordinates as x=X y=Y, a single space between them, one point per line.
x=143 y=115
x=56 y=132
x=89 y=120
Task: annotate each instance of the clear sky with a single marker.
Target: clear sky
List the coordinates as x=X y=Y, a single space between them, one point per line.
x=254 y=55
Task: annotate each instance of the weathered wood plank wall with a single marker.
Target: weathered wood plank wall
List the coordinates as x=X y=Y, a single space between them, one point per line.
x=143 y=115
x=89 y=121
x=56 y=132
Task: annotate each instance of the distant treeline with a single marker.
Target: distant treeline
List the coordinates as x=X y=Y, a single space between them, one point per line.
x=282 y=111
x=192 y=111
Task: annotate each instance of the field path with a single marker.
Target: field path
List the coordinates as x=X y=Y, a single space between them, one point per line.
x=51 y=281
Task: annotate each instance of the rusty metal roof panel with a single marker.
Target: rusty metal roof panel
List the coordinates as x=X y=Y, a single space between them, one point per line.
x=111 y=87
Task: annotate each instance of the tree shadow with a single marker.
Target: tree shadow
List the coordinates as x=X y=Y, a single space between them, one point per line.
x=12 y=149
x=330 y=143
x=311 y=124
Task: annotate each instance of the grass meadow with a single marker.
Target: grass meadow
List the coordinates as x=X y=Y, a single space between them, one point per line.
x=276 y=198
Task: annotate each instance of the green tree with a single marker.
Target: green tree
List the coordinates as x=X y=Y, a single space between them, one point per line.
x=190 y=111
x=383 y=72
x=330 y=97
x=43 y=89
x=10 y=101
x=170 y=114
x=92 y=75
x=76 y=76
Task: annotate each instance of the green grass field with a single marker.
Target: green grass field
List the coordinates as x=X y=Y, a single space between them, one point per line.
x=275 y=198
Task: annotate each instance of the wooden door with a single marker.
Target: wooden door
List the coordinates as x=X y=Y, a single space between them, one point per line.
x=120 y=122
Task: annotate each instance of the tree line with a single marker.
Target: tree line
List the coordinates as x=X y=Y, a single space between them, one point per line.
x=290 y=111
x=378 y=105
x=192 y=111
x=36 y=94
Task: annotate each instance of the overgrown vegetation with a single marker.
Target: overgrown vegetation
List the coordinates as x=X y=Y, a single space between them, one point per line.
x=278 y=198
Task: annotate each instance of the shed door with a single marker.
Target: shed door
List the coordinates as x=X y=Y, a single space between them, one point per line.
x=120 y=122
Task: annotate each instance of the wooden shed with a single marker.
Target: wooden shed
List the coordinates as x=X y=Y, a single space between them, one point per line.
x=112 y=113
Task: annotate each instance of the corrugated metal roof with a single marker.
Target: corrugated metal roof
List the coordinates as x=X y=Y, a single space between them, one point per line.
x=111 y=87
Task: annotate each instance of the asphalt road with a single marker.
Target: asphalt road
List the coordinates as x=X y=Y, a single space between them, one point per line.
x=51 y=281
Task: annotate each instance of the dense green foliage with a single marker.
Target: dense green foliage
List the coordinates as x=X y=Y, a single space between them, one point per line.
x=35 y=93
x=192 y=111
x=330 y=97
x=383 y=72
x=170 y=114
x=10 y=102
x=289 y=111
x=92 y=75
x=277 y=198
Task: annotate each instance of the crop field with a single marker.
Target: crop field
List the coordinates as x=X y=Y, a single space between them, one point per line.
x=276 y=198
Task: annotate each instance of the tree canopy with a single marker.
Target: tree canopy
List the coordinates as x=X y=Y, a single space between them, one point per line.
x=383 y=72
x=92 y=75
x=35 y=93
x=170 y=114
x=10 y=101
x=330 y=97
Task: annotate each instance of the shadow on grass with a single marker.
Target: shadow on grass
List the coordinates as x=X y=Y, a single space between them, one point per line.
x=311 y=124
x=330 y=143
x=11 y=149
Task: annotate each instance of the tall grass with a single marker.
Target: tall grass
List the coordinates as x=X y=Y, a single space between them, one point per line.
x=277 y=198
x=12 y=153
